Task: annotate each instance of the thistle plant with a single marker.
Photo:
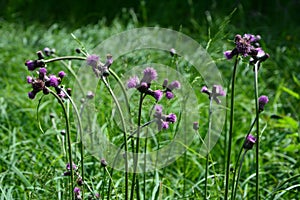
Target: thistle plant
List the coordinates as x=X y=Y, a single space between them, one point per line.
x=246 y=46
x=213 y=95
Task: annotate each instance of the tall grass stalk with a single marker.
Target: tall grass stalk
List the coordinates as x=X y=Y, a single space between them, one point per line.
x=230 y=134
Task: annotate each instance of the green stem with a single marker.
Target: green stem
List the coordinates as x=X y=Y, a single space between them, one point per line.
x=122 y=87
x=134 y=181
x=81 y=137
x=68 y=138
x=233 y=189
x=64 y=58
x=208 y=148
x=230 y=129
x=239 y=172
x=124 y=136
x=257 y=128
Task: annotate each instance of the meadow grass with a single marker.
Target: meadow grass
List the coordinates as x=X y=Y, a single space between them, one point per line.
x=32 y=161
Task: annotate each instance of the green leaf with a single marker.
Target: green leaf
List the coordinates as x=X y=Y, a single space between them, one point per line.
x=290 y=92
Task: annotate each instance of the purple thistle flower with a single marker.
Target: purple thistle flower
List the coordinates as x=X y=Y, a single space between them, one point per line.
x=53 y=81
x=205 y=90
x=31 y=95
x=77 y=190
x=103 y=162
x=43 y=71
x=262 y=101
x=174 y=85
x=61 y=74
x=92 y=60
x=251 y=38
x=164 y=125
x=195 y=126
x=171 y=118
x=68 y=166
x=249 y=142
x=228 y=54
x=157 y=94
x=218 y=90
x=31 y=65
x=29 y=79
x=133 y=82
x=169 y=95
x=150 y=74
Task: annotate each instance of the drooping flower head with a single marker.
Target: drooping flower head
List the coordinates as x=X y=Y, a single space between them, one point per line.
x=157 y=94
x=262 y=101
x=249 y=142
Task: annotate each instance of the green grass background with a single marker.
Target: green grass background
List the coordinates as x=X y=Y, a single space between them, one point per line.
x=31 y=163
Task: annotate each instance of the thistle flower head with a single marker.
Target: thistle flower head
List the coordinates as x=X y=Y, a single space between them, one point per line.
x=103 y=162
x=31 y=95
x=133 y=82
x=31 y=65
x=171 y=118
x=53 y=81
x=247 y=46
x=68 y=166
x=169 y=95
x=174 y=85
x=157 y=94
x=249 y=142
x=77 y=190
x=195 y=126
x=92 y=60
x=29 y=79
x=150 y=74
x=262 y=101
x=61 y=74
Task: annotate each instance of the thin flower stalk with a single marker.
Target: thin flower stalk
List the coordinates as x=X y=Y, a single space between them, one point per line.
x=124 y=137
x=230 y=134
x=68 y=139
x=257 y=128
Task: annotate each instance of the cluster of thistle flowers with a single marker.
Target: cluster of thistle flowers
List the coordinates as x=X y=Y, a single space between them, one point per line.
x=43 y=81
x=144 y=86
x=248 y=46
